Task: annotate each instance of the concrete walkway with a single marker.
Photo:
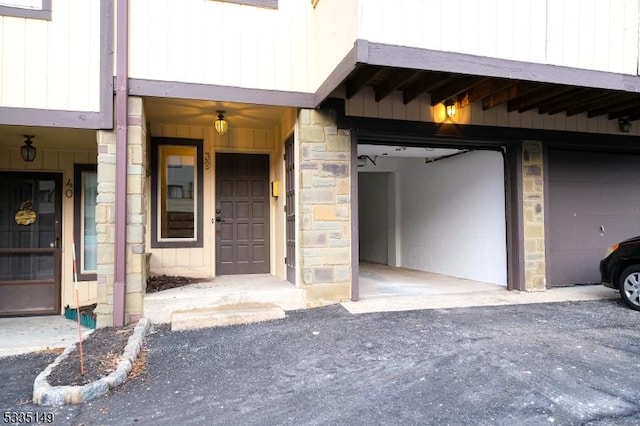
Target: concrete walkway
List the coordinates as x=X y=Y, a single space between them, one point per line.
x=33 y=334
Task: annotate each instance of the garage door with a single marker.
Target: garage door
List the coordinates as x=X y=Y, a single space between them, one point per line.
x=594 y=201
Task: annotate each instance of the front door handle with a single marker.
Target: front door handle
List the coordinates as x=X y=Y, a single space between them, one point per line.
x=55 y=243
x=219 y=219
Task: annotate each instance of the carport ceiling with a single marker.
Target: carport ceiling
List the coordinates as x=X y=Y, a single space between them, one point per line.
x=518 y=95
x=204 y=113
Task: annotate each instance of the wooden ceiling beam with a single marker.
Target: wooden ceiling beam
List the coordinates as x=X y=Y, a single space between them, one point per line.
x=482 y=90
x=562 y=102
x=452 y=89
x=532 y=100
x=507 y=94
x=603 y=98
x=425 y=84
x=397 y=79
x=614 y=107
x=629 y=112
x=360 y=79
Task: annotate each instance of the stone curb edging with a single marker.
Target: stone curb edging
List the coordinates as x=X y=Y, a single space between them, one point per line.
x=45 y=394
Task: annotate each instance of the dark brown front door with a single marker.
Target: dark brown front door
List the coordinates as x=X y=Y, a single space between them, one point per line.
x=242 y=214
x=30 y=234
x=290 y=211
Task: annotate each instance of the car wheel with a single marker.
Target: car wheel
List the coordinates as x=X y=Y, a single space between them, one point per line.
x=629 y=285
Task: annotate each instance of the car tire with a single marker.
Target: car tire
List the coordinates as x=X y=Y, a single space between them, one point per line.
x=629 y=286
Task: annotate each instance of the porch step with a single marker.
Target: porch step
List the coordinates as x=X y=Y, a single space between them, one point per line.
x=261 y=289
x=220 y=316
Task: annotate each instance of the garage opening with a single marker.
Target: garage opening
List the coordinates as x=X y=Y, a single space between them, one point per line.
x=431 y=220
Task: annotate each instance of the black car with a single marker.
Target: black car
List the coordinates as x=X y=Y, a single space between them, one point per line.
x=620 y=269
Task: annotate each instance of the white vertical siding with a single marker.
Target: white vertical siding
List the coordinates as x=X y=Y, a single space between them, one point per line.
x=220 y=43
x=590 y=34
x=52 y=64
x=294 y=47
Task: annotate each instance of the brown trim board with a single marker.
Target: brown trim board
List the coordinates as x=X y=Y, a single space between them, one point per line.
x=267 y=4
x=435 y=60
x=515 y=220
x=355 y=225
x=389 y=55
x=213 y=92
x=342 y=71
x=21 y=12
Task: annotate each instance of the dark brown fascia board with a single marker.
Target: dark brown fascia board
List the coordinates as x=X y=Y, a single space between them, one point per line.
x=212 y=92
x=52 y=118
x=19 y=12
x=266 y=4
x=341 y=71
x=102 y=119
x=387 y=55
x=461 y=63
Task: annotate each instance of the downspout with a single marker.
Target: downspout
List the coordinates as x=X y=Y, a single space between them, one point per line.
x=120 y=246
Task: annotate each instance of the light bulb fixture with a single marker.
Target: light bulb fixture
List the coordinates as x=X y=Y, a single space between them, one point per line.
x=624 y=124
x=28 y=151
x=450 y=108
x=221 y=124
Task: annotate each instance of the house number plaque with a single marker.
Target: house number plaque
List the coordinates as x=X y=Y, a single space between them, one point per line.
x=26 y=215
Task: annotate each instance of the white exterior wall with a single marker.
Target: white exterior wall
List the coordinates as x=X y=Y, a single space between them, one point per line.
x=292 y=48
x=52 y=64
x=333 y=26
x=452 y=215
x=590 y=34
x=212 y=42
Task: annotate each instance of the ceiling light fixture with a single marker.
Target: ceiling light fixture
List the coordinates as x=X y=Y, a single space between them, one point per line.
x=624 y=124
x=28 y=151
x=450 y=108
x=221 y=124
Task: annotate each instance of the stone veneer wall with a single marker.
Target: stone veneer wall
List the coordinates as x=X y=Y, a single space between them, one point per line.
x=324 y=182
x=533 y=210
x=136 y=271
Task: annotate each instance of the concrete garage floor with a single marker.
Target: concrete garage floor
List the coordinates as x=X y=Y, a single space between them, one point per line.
x=385 y=288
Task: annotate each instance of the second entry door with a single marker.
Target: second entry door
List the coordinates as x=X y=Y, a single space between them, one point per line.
x=242 y=214
x=30 y=234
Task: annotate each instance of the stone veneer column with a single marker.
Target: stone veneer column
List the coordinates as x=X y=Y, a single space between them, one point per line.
x=533 y=210
x=324 y=244
x=136 y=271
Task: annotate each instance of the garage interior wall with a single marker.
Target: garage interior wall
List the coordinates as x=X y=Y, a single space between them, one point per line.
x=373 y=199
x=451 y=214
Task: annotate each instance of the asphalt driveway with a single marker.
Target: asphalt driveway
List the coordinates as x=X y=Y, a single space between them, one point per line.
x=555 y=363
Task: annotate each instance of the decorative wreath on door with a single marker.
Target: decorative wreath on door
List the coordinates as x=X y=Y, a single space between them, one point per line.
x=25 y=216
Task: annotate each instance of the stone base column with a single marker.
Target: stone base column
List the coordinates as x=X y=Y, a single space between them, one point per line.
x=136 y=271
x=533 y=211
x=324 y=246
